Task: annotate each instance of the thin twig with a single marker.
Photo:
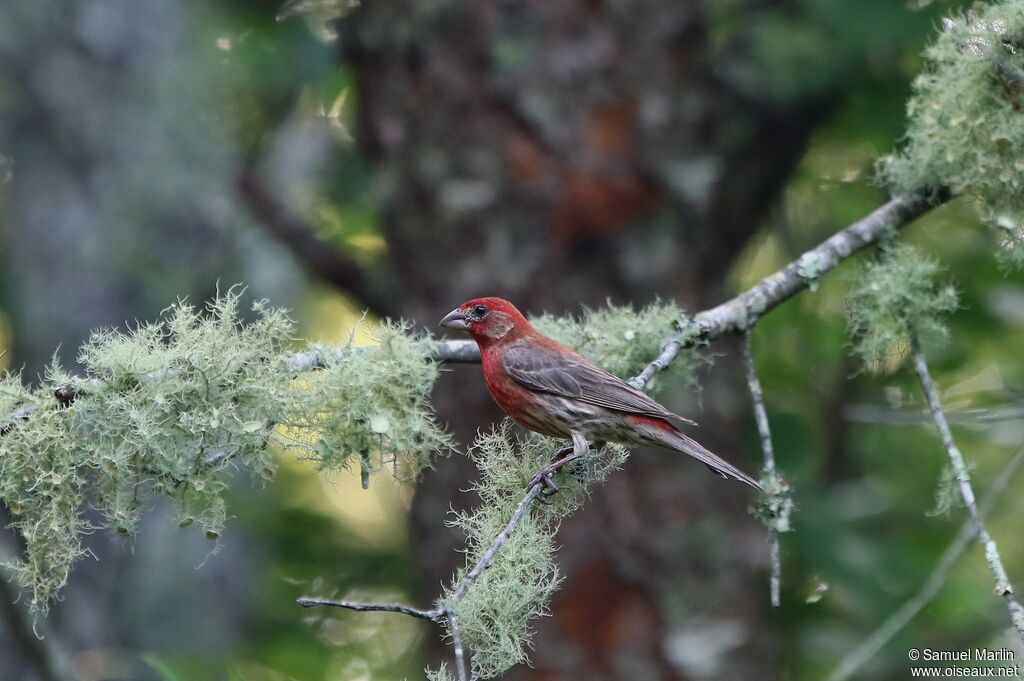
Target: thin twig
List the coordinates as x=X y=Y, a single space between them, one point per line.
x=460 y=655
x=446 y=610
x=857 y=657
x=761 y=417
x=956 y=459
x=441 y=612
x=434 y=615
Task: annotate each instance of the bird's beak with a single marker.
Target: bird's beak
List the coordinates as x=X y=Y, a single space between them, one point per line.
x=455 y=320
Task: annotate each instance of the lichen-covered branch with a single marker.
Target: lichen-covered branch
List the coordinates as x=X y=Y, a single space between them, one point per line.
x=857 y=657
x=735 y=315
x=742 y=312
x=448 y=609
x=963 y=478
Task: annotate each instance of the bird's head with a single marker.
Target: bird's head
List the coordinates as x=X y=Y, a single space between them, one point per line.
x=488 y=320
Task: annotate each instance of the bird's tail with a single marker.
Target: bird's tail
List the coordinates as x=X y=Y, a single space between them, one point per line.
x=673 y=439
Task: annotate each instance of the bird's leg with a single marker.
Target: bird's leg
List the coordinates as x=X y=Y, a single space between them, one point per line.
x=559 y=453
x=582 y=470
x=560 y=459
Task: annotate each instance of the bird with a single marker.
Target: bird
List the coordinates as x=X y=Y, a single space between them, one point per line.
x=551 y=389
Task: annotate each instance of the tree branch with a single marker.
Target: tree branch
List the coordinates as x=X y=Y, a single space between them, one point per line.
x=742 y=312
x=761 y=417
x=856 y=658
x=434 y=615
x=446 y=610
x=319 y=257
x=735 y=315
x=956 y=459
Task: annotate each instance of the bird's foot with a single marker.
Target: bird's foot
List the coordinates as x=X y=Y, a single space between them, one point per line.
x=545 y=476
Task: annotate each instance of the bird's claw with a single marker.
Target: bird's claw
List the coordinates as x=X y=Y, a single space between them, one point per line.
x=544 y=479
x=545 y=476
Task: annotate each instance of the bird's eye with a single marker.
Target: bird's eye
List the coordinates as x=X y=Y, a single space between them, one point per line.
x=479 y=310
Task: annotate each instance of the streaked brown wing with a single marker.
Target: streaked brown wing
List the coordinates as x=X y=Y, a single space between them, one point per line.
x=551 y=371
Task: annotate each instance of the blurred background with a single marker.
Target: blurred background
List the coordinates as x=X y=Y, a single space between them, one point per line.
x=414 y=153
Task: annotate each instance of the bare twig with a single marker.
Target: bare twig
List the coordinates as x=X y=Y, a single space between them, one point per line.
x=761 y=417
x=856 y=658
x=956 y=459
x=434 y=615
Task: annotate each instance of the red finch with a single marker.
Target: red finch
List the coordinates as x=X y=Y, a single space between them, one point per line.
x=549 y=388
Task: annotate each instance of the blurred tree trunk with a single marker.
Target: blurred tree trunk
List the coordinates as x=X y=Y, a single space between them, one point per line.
x=570 y=152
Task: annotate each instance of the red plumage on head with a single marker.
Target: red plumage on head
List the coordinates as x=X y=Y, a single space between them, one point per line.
x=491 y=320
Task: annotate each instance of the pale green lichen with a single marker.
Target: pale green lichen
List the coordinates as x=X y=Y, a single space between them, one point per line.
x=775 y=507
x=496 y=614
x=966 y=120
x=810 y=266
x=168 y=407
x=371 y=406
x=895 y=295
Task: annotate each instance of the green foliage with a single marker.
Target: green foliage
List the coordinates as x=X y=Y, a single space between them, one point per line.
x=170 y=406
x=370 y=406
x=496 y=613
x=623 y=340
x=966 y=120
x=896 y=295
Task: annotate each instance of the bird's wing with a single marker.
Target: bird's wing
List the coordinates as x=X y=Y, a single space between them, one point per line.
x=555 y=371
